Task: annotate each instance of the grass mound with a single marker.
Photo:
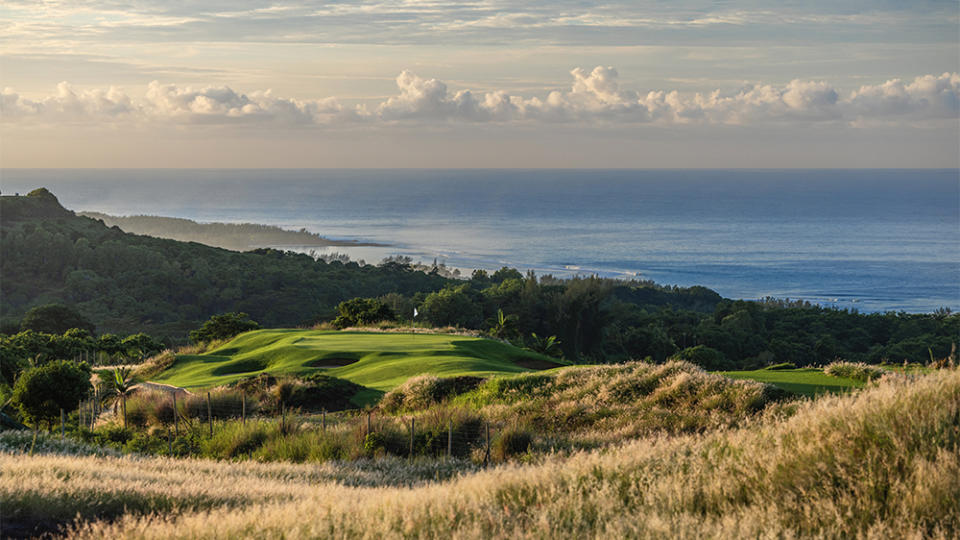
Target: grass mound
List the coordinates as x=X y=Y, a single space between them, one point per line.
x=857 y=371
x=598 y=404
x=881 y=463
x=376 y=360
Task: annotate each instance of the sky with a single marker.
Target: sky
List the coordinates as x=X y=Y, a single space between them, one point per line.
x=429 y=83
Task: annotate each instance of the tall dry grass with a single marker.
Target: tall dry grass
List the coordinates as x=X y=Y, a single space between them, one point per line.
x=882 y=463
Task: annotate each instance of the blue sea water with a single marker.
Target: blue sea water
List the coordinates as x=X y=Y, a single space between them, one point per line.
x=872 y=240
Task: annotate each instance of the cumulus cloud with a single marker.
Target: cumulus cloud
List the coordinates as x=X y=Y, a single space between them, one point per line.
x=594 y=97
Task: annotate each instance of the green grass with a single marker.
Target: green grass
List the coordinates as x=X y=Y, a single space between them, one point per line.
x=804 y=381
x=378 y=361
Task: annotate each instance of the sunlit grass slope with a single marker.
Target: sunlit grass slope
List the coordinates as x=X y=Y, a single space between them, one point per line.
x=881 y=463
x=804 y=381
x=376 y=360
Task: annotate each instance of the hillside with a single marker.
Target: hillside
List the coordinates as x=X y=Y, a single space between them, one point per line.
x=379 y=361
x=127 y=283
x=232 y=236
x=881 y=463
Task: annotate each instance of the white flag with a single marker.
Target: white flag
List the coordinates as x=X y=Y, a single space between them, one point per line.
x=414 y=313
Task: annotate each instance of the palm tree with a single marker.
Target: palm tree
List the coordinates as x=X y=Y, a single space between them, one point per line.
x=549 y=346
x=118 y=388
x=503 y=326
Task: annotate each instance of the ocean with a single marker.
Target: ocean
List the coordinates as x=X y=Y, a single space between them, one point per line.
x=870 y=240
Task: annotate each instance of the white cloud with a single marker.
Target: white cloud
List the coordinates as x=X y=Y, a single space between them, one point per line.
x=594 y=97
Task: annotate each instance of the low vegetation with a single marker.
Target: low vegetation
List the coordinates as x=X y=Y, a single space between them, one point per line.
x=857 y=371
x=883 y=462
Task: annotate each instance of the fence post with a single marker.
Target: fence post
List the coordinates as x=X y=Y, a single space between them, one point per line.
x=62 y=421
x=369 y=414
x=79 y=415
x=243 y=408
x=323 y=420
x=449 y=438
x=209 y=415
x=176 y=416
x=412 y=431
x=486 y=453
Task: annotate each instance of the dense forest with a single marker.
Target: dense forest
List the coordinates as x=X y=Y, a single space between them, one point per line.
x=125 y=283
x=233 y=236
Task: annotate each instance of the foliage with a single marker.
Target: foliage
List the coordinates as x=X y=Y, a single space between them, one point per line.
x=548 y=346
x=705 y=357
x=424 y=391
x=223 y=326
x=40 y=393
x=878 y=463
x=54 y=319
x=362 y=312
x=857 y=371
x=127 y=283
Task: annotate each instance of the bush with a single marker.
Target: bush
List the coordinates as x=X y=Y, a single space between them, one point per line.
x=426 y=390
x=361 y=312
x=223 y=326
x=41 y=393
x=706 y=357
x=512 y=441
x=857 y=371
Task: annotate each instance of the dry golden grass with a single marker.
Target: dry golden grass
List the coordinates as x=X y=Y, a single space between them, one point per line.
x=882 y=463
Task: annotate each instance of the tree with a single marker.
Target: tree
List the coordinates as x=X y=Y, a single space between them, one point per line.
x=452 y=307
x=548 y=346
x=223 y=327
x=54 y=319
x=362 y=311
x=119 y=386
x=141 y=346
x=503 y=326
x=40 y=393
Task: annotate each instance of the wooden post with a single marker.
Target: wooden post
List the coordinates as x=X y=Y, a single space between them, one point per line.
x=62 y=422
x=412 y=431
x=486 y=453
x=243 y=408
x=323 y=420
x=79 y=415
x=369 y=414
x=176 y=416
x=209 y=414
x=449 y=438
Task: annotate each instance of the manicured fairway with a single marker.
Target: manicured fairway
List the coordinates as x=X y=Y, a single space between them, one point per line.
x=805 y=381
x=379 y=361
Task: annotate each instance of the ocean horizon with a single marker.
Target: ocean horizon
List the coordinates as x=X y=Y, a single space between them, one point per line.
x=864 y=239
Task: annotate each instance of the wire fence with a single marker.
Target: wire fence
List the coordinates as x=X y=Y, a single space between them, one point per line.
x=439 y=433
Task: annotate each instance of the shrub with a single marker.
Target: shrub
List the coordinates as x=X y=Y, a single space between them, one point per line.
x=510 y=442
x=857 y=371
x=706 y=357
x=223 y=326
x=427 y=390
x=41 y=393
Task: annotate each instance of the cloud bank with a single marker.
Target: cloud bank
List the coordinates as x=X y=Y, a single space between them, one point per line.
x=595 y=97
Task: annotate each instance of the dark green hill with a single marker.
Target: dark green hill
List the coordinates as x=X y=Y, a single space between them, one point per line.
x=127 y=283
x=233 y=236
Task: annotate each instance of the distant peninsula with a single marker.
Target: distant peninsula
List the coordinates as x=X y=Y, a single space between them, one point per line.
x=232 y=236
